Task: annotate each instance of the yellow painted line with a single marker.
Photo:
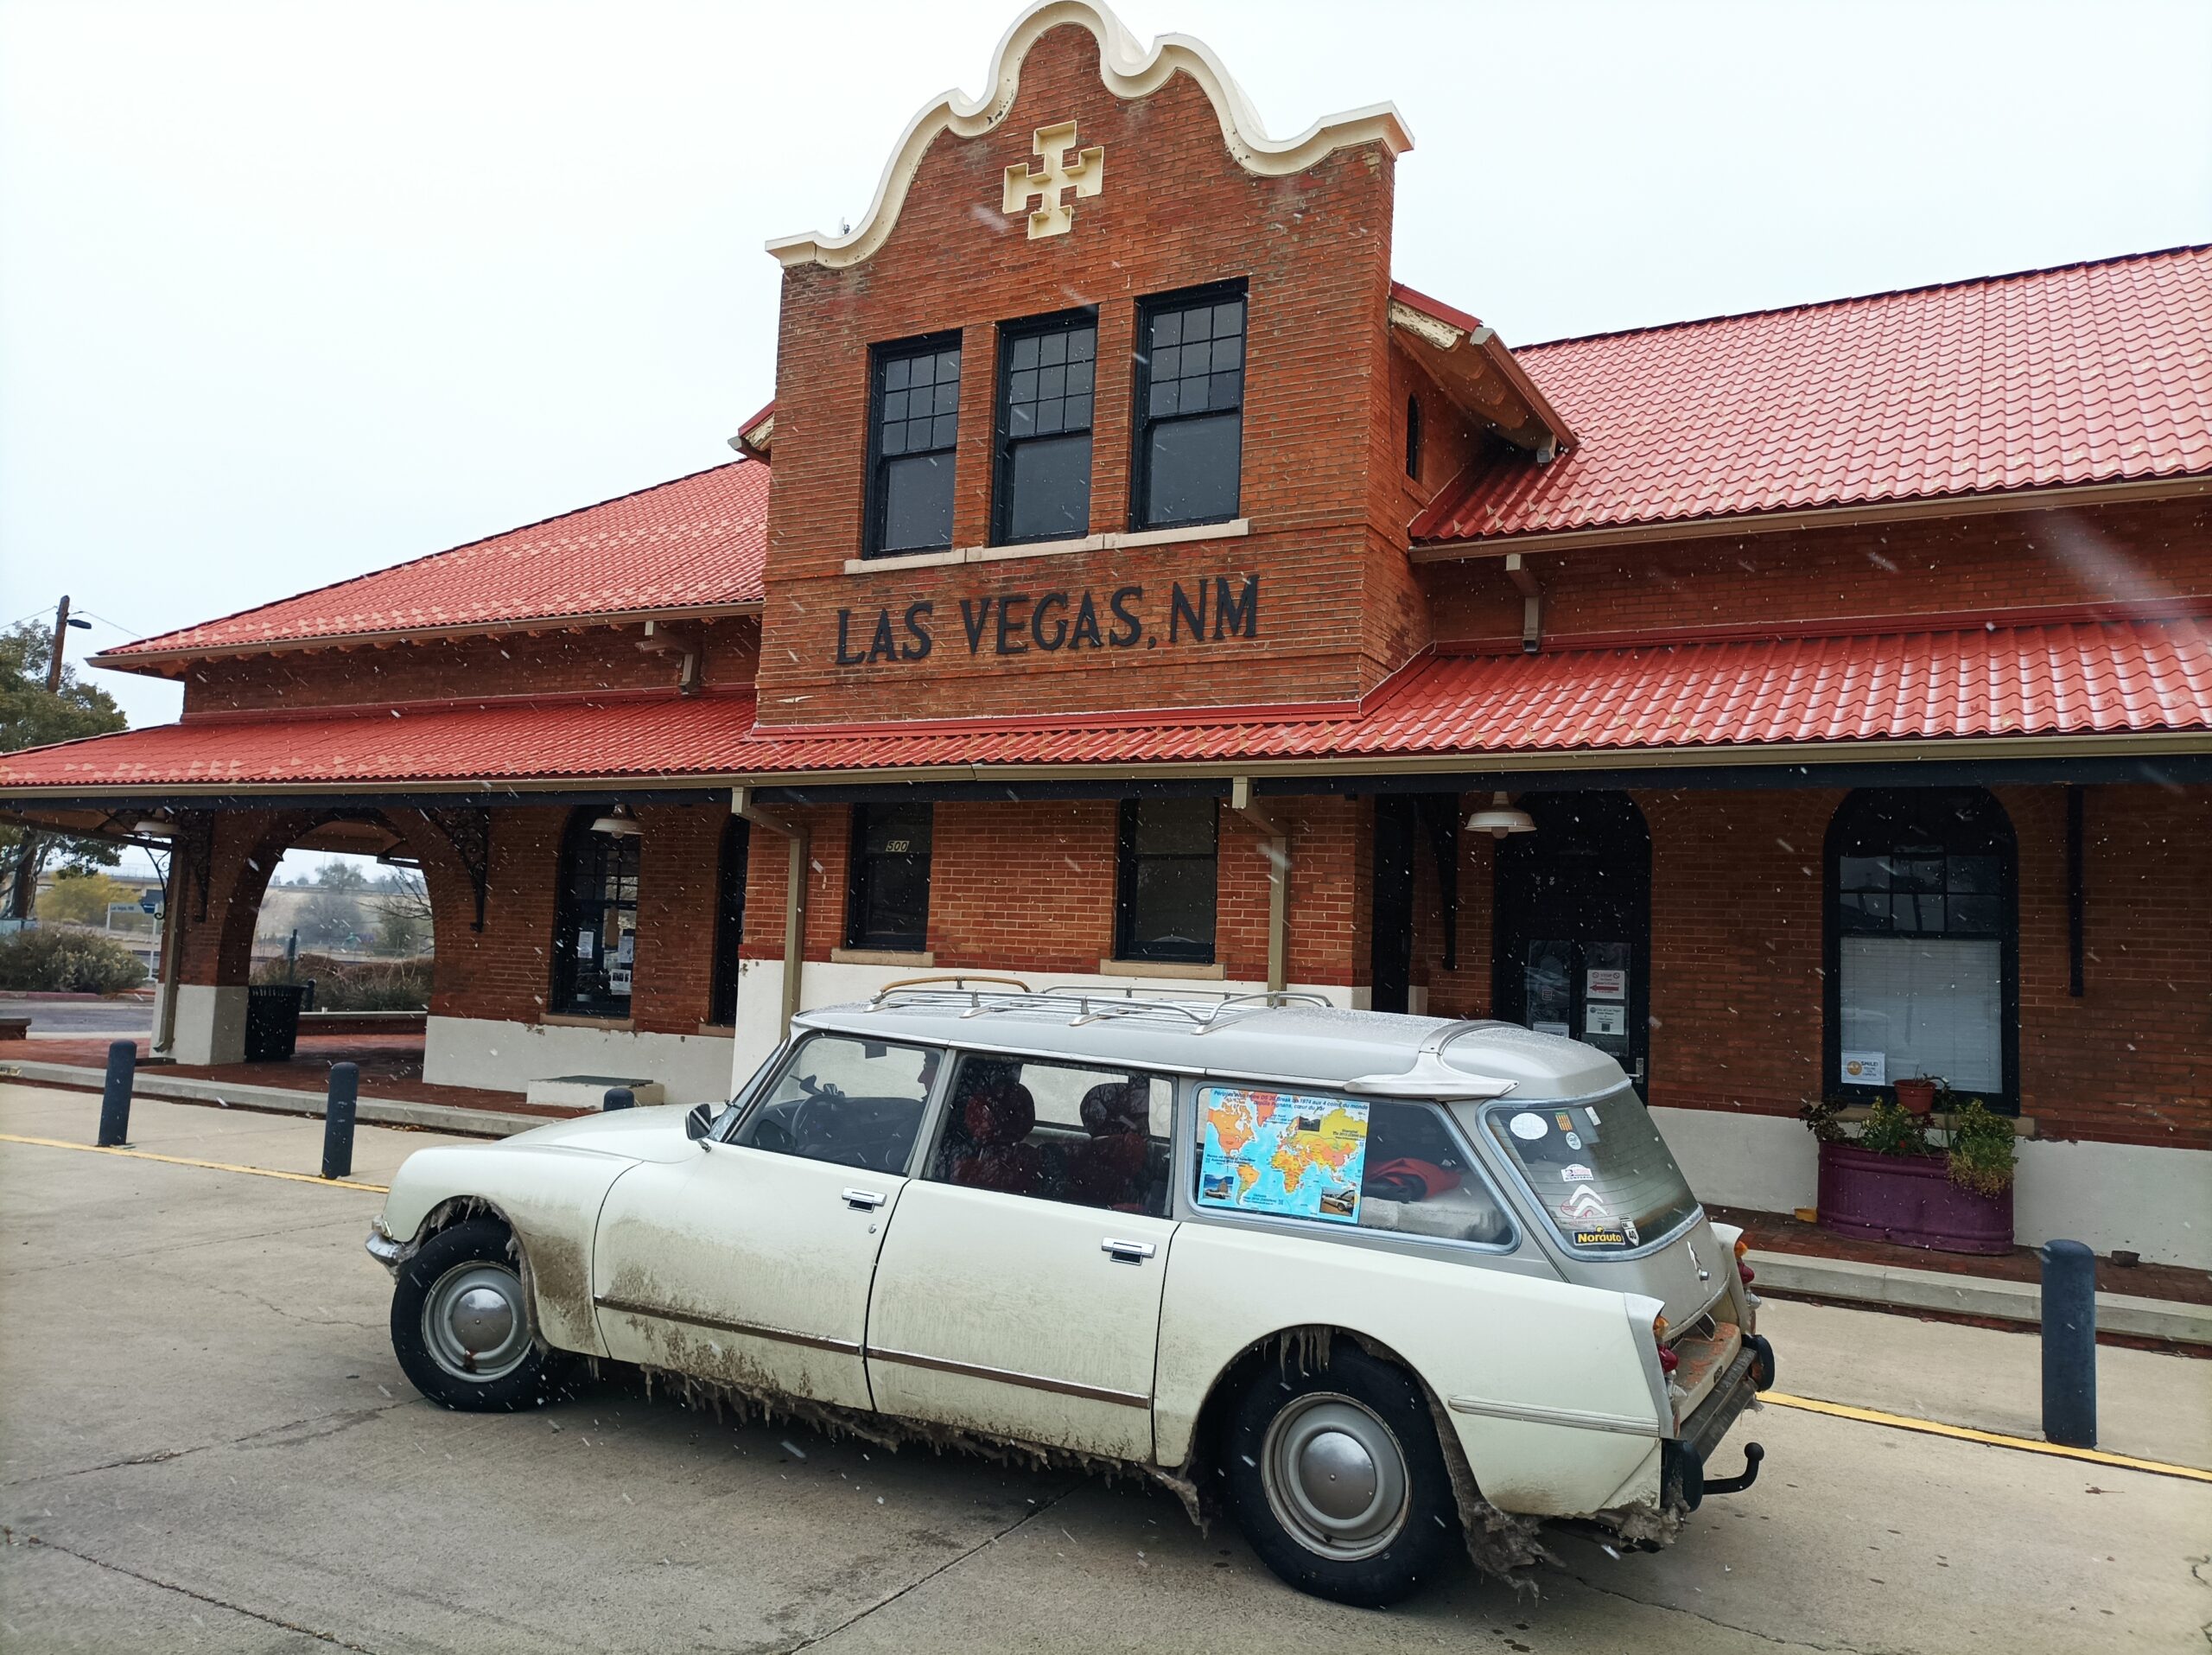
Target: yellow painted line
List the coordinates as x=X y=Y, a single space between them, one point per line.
x=187 y=1161
x=1995 y=1439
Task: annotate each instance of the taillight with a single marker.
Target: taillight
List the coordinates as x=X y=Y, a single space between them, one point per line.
x=1749 y=1274
x=1743 y=1246
x=1668 y=1360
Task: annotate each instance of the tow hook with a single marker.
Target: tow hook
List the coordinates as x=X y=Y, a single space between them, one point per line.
x=1752 y=1455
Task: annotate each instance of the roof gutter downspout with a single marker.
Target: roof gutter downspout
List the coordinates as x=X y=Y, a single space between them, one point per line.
x=1277 y=851
x=795 y=841
x=163 y=1046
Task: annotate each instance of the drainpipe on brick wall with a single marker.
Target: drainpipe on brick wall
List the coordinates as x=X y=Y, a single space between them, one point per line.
x=1278 y=853
x=795 y=841
x=164 y=1042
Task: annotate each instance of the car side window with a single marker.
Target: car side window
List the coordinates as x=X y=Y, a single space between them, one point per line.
x=1374 y=1164
x=1058 y=1131
x=837 y=1097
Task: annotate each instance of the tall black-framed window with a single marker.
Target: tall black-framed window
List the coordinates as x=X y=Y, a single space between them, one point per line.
x=1047 y=368
x=1190 y=408
x=729 y=917
x=1412 y=437
x=913 y=424
x=595 y=922
x=1168 y=875
x=888 y=889
x=1922 y=943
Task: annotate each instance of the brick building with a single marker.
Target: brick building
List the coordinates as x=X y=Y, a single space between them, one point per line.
x=1131 y=582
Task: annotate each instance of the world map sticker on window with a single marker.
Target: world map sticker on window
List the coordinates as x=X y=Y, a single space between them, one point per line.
x=1287 y=1155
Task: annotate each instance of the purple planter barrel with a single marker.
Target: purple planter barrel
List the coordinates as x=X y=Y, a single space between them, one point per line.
x=1910 y=1200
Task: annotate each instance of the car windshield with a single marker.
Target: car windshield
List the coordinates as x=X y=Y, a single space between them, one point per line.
x=842 y=1098
x=1602 y=1172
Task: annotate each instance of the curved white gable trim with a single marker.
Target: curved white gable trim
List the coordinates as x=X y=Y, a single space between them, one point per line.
x=1130 y=72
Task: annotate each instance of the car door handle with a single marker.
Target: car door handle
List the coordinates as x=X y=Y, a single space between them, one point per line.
x=1127 y=1252
x=864 y=1200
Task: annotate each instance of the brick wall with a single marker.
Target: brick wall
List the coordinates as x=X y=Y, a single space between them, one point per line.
x=1176 y=210
x=1905 y=570
x=1736 y=988
x=511 y=664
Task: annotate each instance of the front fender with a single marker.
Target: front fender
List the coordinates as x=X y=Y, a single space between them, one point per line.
x=1544 y=1382
x=549 y=1196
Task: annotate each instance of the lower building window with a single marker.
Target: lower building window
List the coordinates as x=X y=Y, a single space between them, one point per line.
x=1168 y=875
x=1922 y=942
x=887 y=902
x=729 y=917
x=595 y=927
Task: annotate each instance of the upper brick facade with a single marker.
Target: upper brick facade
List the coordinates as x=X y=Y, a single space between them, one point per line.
x=1336 y=606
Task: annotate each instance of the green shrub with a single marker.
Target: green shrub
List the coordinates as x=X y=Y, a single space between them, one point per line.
x=1980 y=1156
x=356 y=985
x=67 y=962
x=1890 y=1130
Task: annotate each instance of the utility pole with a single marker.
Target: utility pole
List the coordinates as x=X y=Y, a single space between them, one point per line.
x=27 y=852
x=60 y=638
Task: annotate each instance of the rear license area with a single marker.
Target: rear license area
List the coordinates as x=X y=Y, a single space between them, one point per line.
x=1703 y=1354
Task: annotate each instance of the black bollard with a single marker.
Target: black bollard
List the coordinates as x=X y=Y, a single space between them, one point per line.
x=618 y=1098
x=2070 y=1344
x=114 y=1097
x=338 y=1120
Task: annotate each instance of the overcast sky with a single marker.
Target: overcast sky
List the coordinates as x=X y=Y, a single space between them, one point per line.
x=292 y=291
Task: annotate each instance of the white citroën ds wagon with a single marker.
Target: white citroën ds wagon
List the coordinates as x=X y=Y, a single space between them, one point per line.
x=1371 y=1282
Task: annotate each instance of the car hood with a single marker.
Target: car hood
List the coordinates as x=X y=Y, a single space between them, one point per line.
x=655 y=1134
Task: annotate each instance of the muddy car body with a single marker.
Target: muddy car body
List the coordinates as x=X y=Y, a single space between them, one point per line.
x=1367 y=1280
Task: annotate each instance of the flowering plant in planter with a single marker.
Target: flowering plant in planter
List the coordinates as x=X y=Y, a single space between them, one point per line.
x=1891 y=1181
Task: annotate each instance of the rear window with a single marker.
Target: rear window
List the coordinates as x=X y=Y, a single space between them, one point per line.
x=1368 y=1163
x=1600 y=1170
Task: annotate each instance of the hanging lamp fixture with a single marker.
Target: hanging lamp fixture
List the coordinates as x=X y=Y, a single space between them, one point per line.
x=618 y=823
x=1499 y=817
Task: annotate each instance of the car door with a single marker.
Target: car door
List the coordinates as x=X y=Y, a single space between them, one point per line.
x=749 y=1263
x=1018 y=1292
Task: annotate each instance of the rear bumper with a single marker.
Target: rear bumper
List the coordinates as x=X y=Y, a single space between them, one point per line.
x=1683 y=1461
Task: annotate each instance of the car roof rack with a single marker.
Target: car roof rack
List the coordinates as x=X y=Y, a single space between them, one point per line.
x=1203 y=1009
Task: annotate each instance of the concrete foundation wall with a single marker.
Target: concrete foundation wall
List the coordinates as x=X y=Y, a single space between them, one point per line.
x=2157 y=1202
x=824 y=982
x=210 y=1023
x=507 y=1056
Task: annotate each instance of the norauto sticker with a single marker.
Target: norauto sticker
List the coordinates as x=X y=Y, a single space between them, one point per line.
x=1600 y=1238
x=1045 y=623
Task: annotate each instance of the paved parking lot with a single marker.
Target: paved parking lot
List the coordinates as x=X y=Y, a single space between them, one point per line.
x=207 y=1445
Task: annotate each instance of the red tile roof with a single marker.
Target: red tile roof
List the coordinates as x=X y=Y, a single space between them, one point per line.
x=639 y=737
x=695 y=543
x=2061 y=677
x=2092 y=373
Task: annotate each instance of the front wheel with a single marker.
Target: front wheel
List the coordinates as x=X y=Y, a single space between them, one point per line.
x=1337 y=1481
x=461 y=1323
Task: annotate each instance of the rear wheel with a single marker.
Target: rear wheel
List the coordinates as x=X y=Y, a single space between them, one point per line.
x=461 y=1322
x=1337 y=1479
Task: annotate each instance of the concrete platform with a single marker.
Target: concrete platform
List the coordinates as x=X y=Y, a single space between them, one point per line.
x=387 y=1111
x=1894 y=1287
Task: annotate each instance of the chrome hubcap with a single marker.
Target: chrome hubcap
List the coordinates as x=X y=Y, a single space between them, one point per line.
x=1335 y=1475
x=474 y=1322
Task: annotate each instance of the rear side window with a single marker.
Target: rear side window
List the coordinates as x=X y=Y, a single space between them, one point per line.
x=854 y=1102
x=1366 y=1163
x=1058 y=1131
x=1600 y=1170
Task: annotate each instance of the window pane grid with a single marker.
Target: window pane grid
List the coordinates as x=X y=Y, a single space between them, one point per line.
x=1189 y=449
x=888 y=901
x=1169 y=880
x=914 y=425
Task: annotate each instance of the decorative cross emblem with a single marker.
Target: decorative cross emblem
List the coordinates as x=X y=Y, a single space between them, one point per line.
x=1053 y=217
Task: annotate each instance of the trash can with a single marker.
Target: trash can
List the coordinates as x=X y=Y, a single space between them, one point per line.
x=272 y=1020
